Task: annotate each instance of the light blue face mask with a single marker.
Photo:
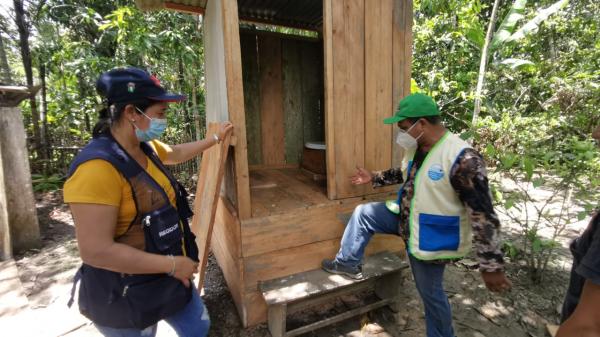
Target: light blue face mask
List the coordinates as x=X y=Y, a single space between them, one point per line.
x=155 y=130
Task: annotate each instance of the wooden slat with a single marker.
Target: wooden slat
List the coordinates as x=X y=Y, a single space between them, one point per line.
x=255 y=308
x=378 y=85
x=210 y=176
x=297 y=228
x=184 y=8
x=271 y=100
x=292 y=100
x=329 y=98
x=349 y=93
x=298 y=287
x=402 y=51
x=299 y=259
x=226 y=249
x=235 y=98
x=251 y=96
x=338 y=318
x=228 y=229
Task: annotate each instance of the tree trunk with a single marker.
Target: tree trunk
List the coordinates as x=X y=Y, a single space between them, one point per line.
x=186 y=113
x=23 y=28
x=483 y=64
x=6 y=77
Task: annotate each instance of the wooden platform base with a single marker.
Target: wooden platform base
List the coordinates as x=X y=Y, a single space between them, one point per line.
x=286 y=295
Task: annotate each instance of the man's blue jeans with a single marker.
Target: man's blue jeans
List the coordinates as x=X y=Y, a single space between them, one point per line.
x=191 y=321
x=374 y=217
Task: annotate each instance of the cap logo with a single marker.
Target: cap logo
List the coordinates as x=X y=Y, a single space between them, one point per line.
x=155 y=80
x=130 y=87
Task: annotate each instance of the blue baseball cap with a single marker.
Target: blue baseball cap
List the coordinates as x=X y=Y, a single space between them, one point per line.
x=122 y=85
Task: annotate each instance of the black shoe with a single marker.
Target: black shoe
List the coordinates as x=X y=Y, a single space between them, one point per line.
x=333 y=267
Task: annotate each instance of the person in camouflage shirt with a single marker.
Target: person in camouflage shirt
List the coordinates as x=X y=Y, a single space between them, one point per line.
x=469 y=179
x=420 y=133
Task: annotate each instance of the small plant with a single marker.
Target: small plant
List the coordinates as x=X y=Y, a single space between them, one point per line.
x=42 y=183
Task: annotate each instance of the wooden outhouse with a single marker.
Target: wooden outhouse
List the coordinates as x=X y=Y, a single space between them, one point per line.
x=307 y=111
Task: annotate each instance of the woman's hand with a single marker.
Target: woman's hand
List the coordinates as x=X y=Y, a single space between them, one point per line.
x=224 y=129
x=362 y=176
x=185 y=268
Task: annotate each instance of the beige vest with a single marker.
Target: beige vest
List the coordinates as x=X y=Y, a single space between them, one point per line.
x=439 y=224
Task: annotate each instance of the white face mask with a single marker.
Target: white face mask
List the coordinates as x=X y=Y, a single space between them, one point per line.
x=407 y=141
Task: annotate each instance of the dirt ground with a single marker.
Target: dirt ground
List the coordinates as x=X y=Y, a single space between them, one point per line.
x=46 y=275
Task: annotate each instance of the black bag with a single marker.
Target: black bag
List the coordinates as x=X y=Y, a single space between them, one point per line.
x=129 y=301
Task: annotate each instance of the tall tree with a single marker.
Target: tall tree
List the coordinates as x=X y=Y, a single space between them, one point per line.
x=483 y=63
x=23 y=28
x=6 y=77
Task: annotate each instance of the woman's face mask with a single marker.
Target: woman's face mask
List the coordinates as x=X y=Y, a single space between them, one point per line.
x=405 y=140
x=155 y=130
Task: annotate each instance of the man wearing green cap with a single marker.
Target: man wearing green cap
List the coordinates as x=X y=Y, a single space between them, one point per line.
x=443 y=204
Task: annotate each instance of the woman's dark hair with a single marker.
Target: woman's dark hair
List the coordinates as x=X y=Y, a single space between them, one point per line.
x=111 y=113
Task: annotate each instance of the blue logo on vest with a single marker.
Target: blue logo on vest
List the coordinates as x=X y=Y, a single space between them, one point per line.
x=435 y=172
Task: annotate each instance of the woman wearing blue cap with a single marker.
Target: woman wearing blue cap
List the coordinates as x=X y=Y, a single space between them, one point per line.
x=130 y=214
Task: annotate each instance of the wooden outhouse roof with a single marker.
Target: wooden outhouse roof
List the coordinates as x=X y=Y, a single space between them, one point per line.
x=305 y=14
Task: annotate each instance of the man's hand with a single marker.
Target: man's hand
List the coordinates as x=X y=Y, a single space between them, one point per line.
x=496 y=281
x=361 y=176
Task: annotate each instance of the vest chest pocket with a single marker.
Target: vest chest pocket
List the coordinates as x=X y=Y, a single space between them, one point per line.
x=438 y=232
x=162 y=230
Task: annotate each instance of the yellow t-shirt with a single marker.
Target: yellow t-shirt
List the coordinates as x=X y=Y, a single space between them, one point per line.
x=99 y=182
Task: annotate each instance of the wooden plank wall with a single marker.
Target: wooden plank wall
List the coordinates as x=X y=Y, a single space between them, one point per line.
x=292 y=100
x=249 y=49
x=402 y=55
x=214 y=61
x=235 y=99
x=347 y=123
x=225 y=93
x=283 y=90
x=368 y=47
x=378 y=85
x=271 y=100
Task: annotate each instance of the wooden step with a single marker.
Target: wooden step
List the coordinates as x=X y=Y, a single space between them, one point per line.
x=382 y=273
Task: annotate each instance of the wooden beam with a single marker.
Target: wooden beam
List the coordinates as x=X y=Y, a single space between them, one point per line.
x=184 y=8
x=210 y=176
x=235 y=100
x=329 y=98
x=348 y=23
x=378 y=86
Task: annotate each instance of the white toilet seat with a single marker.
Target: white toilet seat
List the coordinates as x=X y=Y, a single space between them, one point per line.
x=315 y=145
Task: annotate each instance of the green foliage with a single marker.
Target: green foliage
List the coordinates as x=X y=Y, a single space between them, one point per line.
x=540 y=105
x=509 y=23
x=77 y=40
x=42 y=183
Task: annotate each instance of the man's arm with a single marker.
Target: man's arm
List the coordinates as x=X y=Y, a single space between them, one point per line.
x=585 y=320
x=388 y=177
x=469 y=179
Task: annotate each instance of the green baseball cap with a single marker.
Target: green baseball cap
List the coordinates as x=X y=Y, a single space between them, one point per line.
x=414 y=105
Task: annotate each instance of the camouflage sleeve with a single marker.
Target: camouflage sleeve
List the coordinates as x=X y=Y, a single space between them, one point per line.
x=388 y=177
x=468 y=176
